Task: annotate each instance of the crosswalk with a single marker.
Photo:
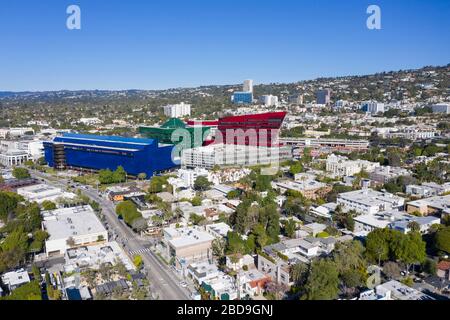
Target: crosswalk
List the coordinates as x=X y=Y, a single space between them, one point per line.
x=140 y=251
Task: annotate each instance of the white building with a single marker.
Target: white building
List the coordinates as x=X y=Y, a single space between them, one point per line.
x=369 y=201
x=79 y=225
x=15 y=132
x=188 y=176
x=373 y=107
x=429 y=189
x=92 y=257
x=43 y=192
x=386 y=174
x=12 y=158
x=90 y=121
x=233 y=155
x=248 y=86
x=399 y=291
x=187 y=245
x=177 y=110
x=269 y=100
x=342 y=167
x=441 y=108
x=15 y=279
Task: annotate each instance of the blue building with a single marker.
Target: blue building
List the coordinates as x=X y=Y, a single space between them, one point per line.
x=242 y=97
x=106 y=152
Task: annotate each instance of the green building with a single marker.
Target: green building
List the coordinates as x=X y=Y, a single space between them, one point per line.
x=177 y=132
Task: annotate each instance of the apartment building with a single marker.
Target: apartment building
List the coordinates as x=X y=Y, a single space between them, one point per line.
x=369 y=201
x=341 y=166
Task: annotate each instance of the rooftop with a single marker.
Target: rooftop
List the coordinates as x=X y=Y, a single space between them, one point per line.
x=70 y=222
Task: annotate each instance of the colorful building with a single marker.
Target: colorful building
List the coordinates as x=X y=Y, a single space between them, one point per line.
x=92 y=152
x=176 y=132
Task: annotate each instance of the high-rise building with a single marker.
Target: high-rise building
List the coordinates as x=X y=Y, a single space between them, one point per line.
x=323 y=96
x=177 y=110
x=296 y=99
x=248 y=86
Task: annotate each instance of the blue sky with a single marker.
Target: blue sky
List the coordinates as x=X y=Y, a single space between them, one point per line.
x=156 y=44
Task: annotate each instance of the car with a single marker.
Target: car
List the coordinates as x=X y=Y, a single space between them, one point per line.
x=183 y=284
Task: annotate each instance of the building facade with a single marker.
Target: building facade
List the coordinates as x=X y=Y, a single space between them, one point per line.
x=91 y=152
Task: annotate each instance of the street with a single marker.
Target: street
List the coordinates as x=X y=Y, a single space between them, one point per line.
x=164 y=283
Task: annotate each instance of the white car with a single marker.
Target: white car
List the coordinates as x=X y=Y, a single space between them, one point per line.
x=183 y=284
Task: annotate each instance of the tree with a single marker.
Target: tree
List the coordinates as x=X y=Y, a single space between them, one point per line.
x=48 y=205
x=290 y=226
x=430 y=267
x=127 y=210
x=414 y=226
x=323 y=281
x=391 y=270
x=377 y=245
x=299 y=274
x=296 y=168
x=157 y=184
x=29 y=291
x=105 y=176
x=263 y=183
x=442 y=239
x=196 y=219
x=218 y=248
x=196 y=201
x=348 y=256
x=276 y=290
x=142 y=176
x=202 y=183
x=119 y=175
x=8 y=204
x=70 y=242
x=138 y=262
x=21 y=173
x=260 y=235
x=410 y=249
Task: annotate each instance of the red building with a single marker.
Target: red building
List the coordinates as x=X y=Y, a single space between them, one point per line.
x=256 y=130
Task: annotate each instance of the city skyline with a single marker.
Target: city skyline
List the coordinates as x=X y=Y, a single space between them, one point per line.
x=122 y=47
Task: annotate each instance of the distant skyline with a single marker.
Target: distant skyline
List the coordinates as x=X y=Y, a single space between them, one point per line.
x=158 y=44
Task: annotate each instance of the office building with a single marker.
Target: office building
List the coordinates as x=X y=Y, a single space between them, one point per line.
x=255 y=130
x=233 y=155
x=177 y=110
x=187 y=245
x=372 y=107
x=323 y=96
x=92 y=152
x=71 y=228
x=242 y=97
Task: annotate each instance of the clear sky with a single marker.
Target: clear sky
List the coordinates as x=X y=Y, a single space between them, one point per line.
x=157 y=44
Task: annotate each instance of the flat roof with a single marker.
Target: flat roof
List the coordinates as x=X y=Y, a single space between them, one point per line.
x=184 y=237
x=71 y=222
